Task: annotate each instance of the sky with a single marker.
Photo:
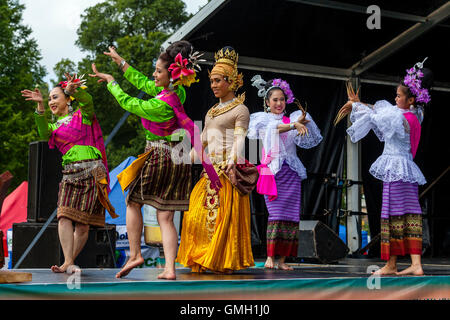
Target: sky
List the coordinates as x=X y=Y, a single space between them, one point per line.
x=55 y=22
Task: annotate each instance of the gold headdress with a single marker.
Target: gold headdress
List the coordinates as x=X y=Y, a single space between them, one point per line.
x=226 y=65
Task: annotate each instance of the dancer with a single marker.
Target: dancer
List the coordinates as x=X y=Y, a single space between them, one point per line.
x=281 y=171
x=216 y=230
x=153 y=178
x=83 y=191
x=399 y=127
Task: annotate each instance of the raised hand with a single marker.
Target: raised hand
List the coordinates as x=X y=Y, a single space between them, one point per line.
x=301 y=129
x=103 y=77
x=73 y=82
x=113 y=55
x=34 y=95
x=347 y=107
x=343 y=112
x=302 y=118
x=352 y=96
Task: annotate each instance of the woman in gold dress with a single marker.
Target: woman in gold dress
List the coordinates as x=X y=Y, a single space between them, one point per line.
x=216 y=230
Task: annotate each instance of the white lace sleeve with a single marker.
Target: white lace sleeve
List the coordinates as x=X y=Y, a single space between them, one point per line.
x=307 y=141
x=361 y=122
x=388 y=119
x=257 y=125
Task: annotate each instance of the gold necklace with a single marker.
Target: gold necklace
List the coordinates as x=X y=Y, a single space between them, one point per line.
x=214 y=112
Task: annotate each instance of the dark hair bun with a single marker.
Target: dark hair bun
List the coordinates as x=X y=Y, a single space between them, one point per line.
x=427 y=79
x=184 y=47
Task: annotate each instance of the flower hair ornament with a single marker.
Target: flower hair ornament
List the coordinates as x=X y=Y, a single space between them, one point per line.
x=413 y=81
x=261 y=85
x=63 y=84
x=183 y=70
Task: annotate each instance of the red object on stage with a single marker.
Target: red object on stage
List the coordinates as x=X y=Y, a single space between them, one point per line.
x=14 y=209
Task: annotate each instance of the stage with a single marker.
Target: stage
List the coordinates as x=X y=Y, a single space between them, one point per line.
x=349 y=279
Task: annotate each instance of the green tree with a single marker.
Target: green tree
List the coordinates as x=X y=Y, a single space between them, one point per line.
x=19 y=69
x=64 y=65
x=137 y=28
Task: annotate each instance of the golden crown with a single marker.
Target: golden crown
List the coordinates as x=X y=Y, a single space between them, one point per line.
x=227 y=56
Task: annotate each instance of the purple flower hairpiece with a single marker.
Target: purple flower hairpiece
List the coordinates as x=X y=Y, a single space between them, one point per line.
x=283 y=85
x=414 y=83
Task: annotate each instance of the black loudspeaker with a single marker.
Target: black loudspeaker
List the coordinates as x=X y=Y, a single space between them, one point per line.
x=44 y=176
x=45 y=253
x=318 y=242
x=100 y=248
x=97 y=253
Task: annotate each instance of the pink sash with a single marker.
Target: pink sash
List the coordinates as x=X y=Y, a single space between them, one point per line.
x=181 y=120
x=266 y=183
x=414 y=131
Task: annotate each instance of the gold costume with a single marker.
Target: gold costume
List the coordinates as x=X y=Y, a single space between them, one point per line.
x=216 y=231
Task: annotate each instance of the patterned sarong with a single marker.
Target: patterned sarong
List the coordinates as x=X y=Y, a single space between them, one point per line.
x=282 y=238
x=160 y=182
x=83 y=194
x=401 y=235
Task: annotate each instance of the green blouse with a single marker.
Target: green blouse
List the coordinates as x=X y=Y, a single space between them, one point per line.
x=153 y=109
x=77 y=152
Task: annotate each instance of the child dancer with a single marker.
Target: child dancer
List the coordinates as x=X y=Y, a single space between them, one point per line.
x=399 y=127
x=281 y=171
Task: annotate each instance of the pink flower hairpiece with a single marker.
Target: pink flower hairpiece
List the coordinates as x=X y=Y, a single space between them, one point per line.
x=414 y=83
x=283 y=85
x=179 y=67
x=181 y=73
x=63 y=84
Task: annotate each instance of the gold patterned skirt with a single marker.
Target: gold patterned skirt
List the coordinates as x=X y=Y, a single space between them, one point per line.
x=215 y=232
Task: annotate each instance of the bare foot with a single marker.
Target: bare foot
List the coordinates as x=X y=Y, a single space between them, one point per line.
x=168 y=275
x=284 y=266
x=73 y=269
x=415 y=270
x=269 y=263
x=63 y=268
x=130 y=265
x=385 y=271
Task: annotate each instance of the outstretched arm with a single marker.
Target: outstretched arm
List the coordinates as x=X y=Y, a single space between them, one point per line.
x=136 y=78
x=39 y=117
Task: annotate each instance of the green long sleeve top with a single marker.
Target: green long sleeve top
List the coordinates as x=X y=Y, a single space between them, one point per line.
x=77 y=152
x=153 y=109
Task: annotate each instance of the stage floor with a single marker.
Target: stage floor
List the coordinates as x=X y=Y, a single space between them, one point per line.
x=348 y=279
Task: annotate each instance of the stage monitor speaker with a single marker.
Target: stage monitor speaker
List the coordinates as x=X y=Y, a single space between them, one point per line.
x=44 y=176
x=99 y=249
x=97 y=253
x=45 y=253
x=318 y=242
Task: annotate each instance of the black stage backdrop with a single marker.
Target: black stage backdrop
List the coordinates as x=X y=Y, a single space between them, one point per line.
x=291 y=31
x=326 y=162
